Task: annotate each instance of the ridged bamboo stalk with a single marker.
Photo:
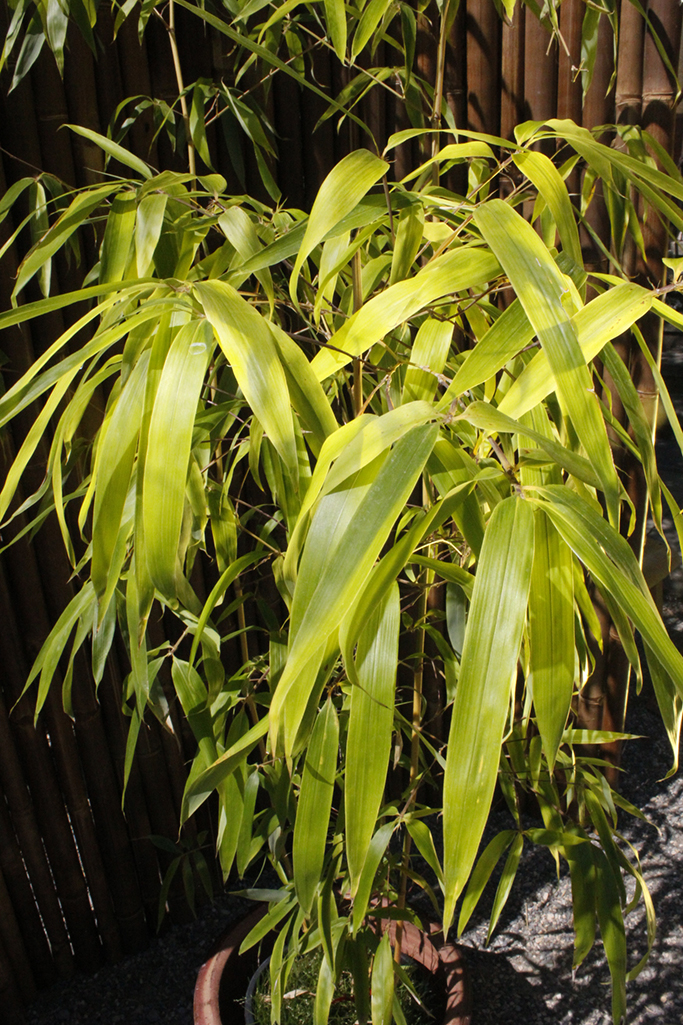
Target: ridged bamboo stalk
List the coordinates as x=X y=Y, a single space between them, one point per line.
x=512 y=73
x=54 y=825
x=136 y=79
x=11 y=937
x=658 y=95
x=108 y=82
x=10 y=996
x=105 y=798
x=540 y=71
x=81 y=96
x=483 y=67
x=51 y=114
x=135 y=808
x=25 y=902
x=290 y=170
x=318 y=159
x=569 y=93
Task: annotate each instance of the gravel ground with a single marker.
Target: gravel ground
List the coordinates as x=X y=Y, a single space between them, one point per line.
x=525 y=976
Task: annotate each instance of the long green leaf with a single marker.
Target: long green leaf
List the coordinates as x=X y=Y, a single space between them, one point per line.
x=541 y=289
x=551 y=635
x=168 y=451
x=487 y=671
x=466 y=267
x=315 y=803
x=83 y=204
x=341 y=191
x=371 y=715
x=326 y=591
x=249 y=347
x=613 y=566
x=113 y=149
x=604 y=318
x=112 y=471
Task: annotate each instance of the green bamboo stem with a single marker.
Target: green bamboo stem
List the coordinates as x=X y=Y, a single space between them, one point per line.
x=177 y=67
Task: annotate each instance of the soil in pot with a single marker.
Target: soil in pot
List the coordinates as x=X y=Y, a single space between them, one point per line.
x=298 y=1001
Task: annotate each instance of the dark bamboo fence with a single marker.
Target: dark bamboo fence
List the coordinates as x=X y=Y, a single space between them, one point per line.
x=80 y=878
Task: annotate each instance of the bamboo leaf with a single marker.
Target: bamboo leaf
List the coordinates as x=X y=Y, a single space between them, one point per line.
x=488 y=418
x=382 y=986
x=541 y=289
x=488 y=860
x=371 y=715
x=427 y=360
x=551 y=635
x=249 y=347
x=378 y=846
x=510 y=333
x=335 y=20
x=315 y=803
x=83 y=204
x=505 y=885
x=199 y=788
x=369 y=20
x=168 y=452
x=118 y=236
x=487 y=670
x=462 y=268
x=613 y=566
x=612 y=931
x=325 y=592
x=112 y=471
x=341 y=191
x=541 y=171
x=112 y=149
x=150 y=220
x=605 y=317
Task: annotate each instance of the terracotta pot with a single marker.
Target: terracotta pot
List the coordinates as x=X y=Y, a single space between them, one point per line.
x=223 y=979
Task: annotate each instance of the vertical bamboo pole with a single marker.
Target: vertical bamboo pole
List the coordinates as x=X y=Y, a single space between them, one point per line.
x=51 y=111
x=483 y=66
x=10 y=997
x=39 y=771
x=540 y=73
x=318 y=157
x=135 y=76
x=455 y=91
x=108 y=84
x=25 y=901
x=512 y=72
x=135 y=808
x=569 y=93
x=290 y=170
x=81 y=95
x=110 y=827
x=11 y=937
x=629 y=85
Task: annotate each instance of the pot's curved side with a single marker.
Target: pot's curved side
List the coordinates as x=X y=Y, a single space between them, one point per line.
x=218 y=968
x=228 y=970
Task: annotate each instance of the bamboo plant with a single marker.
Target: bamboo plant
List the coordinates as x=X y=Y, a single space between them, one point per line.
x=325 y=422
